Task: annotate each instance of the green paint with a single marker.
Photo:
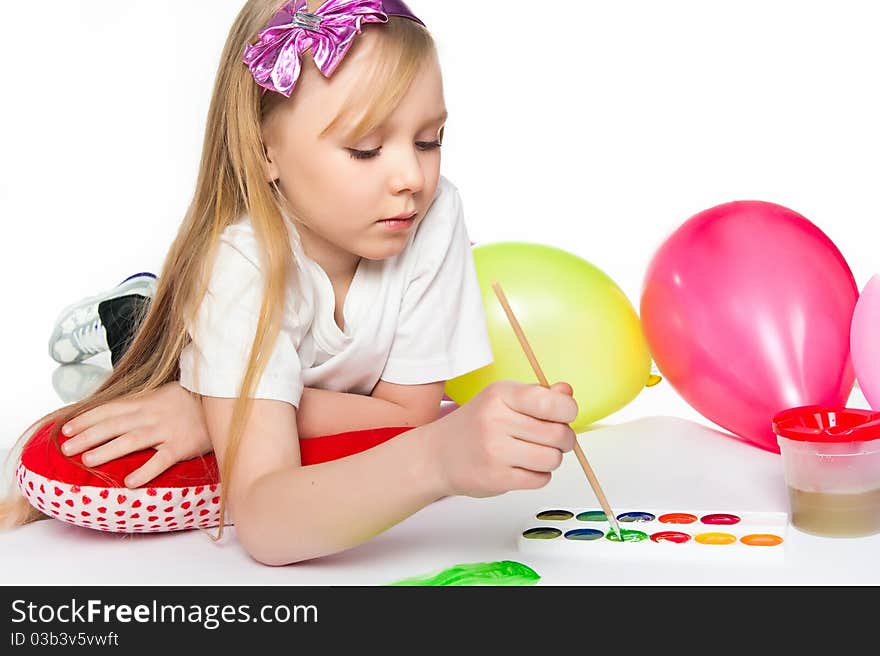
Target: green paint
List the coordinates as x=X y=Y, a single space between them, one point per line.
x=504 y=572
x=542 y=533
x=555 y=514
x=592 y=516
x=629 y=535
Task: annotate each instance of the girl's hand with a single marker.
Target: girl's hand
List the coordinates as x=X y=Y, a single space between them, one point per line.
x=509 y=436
x=168 y=419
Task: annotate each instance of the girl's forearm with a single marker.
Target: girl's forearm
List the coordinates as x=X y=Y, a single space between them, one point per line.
x=322 y=412
x=301 y=513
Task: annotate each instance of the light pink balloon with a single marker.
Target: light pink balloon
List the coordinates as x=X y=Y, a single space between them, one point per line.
x=865 y=342
x=747 y=310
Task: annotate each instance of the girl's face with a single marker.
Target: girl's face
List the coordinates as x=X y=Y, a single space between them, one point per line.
x=343 y=194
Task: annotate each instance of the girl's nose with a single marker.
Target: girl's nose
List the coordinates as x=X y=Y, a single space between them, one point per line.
x=407 y=174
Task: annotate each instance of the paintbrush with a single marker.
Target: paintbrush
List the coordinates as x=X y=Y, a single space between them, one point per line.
x=585 y=465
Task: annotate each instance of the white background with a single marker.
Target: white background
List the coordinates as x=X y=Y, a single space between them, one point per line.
x=597 y=127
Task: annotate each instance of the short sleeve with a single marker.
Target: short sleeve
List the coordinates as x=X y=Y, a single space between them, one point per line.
x=215 y=361
x=441 y=332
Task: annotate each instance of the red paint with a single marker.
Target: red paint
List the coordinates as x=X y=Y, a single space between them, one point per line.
x=671 y=536
x=720 y=519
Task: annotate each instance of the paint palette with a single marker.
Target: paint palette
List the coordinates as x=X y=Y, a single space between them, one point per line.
x=670 y=534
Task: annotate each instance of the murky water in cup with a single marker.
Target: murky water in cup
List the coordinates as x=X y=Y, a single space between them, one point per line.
x=837 y=515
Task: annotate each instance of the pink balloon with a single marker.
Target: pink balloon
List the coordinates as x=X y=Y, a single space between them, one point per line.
x=747 y=310
x=865 y=342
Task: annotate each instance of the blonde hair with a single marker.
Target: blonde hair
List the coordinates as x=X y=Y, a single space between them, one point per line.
x=232 y=182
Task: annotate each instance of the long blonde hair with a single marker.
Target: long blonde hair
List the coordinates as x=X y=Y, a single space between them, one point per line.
x=231 y=182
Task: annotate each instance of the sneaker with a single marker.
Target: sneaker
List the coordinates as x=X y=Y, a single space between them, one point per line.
x=79 y=332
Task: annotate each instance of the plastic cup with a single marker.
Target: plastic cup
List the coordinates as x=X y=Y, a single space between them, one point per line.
x=831 y=465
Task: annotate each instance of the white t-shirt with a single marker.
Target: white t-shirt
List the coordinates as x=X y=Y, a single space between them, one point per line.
x=410 y=319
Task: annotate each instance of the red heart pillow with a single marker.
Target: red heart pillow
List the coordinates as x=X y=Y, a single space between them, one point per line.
x=185 y=496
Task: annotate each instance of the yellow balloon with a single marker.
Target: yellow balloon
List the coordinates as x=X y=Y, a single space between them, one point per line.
x=580 y=325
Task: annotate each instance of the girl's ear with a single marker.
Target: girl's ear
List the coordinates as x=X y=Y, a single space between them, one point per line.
x=272 y=172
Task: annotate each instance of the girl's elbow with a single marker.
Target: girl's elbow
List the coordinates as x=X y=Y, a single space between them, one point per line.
x=269 y=558
x=260 y=530
x=257 y=538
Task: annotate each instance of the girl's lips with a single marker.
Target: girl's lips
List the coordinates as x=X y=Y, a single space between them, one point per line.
x=397 y=224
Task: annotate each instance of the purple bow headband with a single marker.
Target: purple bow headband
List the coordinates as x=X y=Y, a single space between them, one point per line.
x=275 y=60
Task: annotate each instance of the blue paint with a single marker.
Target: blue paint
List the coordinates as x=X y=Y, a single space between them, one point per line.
x=636 y=517
x=584 y=534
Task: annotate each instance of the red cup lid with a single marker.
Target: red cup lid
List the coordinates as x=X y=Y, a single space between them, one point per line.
x=815 y=423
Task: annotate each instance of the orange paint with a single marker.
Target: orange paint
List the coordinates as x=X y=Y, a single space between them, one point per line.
x=761 y=540
x=715 y=538
x=678 y=518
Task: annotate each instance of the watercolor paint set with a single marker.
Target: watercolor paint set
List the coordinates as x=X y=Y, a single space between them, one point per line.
x=672 y=534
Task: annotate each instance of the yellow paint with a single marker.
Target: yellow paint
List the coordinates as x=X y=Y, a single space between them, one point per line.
x=715 y=538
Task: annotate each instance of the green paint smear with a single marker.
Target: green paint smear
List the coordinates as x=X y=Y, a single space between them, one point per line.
x=628 y=536
x=504 y=572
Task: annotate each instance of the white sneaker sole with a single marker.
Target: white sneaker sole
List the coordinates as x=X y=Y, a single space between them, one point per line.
x=141 y=285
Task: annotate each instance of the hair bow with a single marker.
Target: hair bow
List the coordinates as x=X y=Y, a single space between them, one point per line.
x=275 y=60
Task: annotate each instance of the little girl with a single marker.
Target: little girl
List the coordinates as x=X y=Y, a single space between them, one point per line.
x=322 y=281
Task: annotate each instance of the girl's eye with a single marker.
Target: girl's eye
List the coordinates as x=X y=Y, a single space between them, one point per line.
x=370 y=154
x=364 y=154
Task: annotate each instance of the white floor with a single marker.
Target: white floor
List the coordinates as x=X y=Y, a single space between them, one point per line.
x=649 y=464
x=657 y=451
